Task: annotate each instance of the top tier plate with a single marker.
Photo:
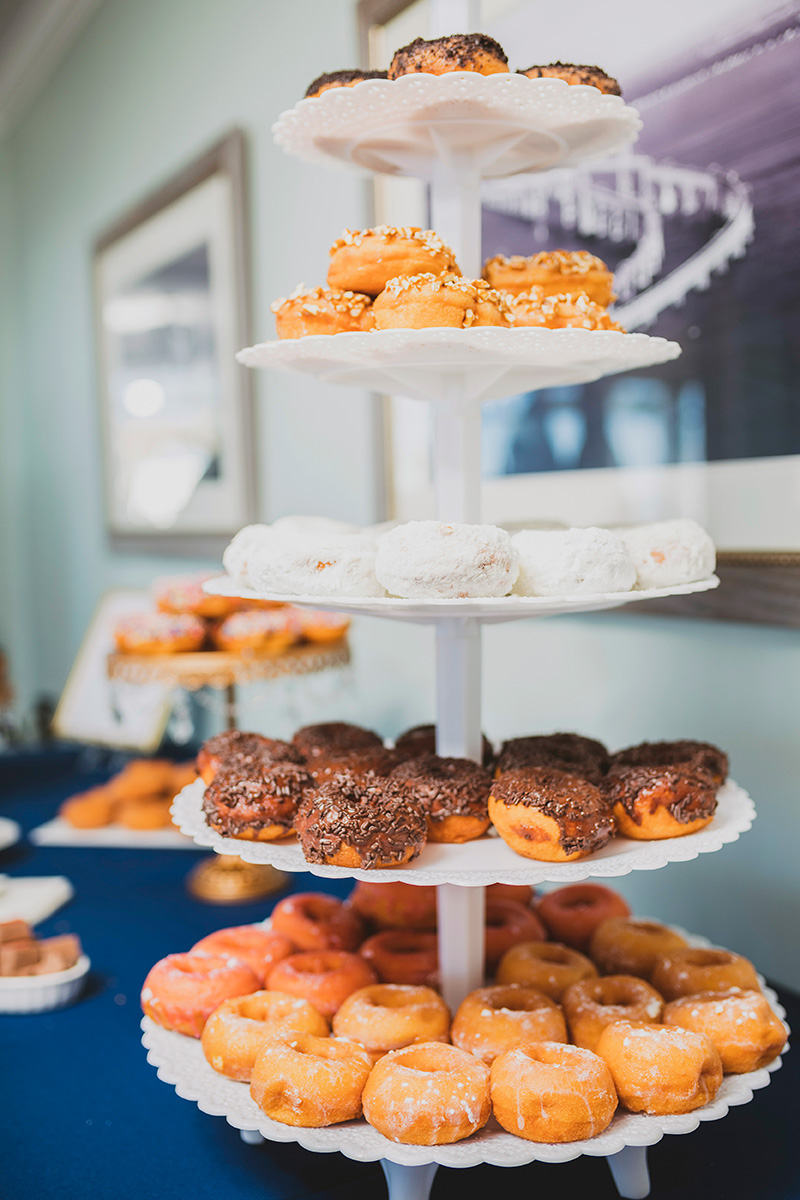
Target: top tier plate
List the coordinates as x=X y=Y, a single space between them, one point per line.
x=494 y=125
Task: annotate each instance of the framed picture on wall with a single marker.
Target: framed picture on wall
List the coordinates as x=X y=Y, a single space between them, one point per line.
x=172 y=305
x=697 y=222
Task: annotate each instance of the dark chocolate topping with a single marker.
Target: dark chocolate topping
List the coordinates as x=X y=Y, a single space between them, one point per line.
x=235 y=746
x=661 y=754
x=378 y=819
x=585 y=73
x=341 y=79
x=459 y=50
x=334 y=738
x=688 y=792
x=563 y=751
x=422 y=740
x=581 y=810
x=362 y=763
x=254 y=795
x=446 y=787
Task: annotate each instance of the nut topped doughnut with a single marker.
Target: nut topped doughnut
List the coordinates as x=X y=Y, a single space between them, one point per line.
x=357 y=824
x=234 y=745
x=315 y=921
x=311 y=311
x=159 y=633
x=659 y=754
x=697 y=969
x=256 y=802
x=408 y=956
x=458 y=52
x=453 y=792
x=323 y=977
x=554 y=272
x=428 y=301
x=547 y=966
x=549 y=815
x=651 y=803
x=430 y=560
x=572 y=310
x=575 y=74
x=491 y=1020
x=260 y=948
x=310 y=1081
x=631 y=945
x=572 y=562
x=182 y=990
x=658 y=1069
x=421 y=739
x=236 y=1031
x=337 y=79
x=427 y=1094
x=568 y=752
x=548 y=1092
x=332 y=739
x=387 y=1017
x=364 y=260
x=572 y=913
x=743 y=1027
x=591 y=1004
x=668 y=553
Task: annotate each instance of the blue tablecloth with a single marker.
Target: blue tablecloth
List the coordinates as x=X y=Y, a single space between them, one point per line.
x=85 y=1116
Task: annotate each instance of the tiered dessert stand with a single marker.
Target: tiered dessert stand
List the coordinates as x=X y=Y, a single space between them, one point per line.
x=452 y=131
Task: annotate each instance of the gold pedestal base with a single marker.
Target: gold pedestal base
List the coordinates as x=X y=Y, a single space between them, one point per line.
x=226 y=879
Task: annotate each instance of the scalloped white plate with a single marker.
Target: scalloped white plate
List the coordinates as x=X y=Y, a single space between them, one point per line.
x=499 y=124
x=488 y=363
x=180 y=1062
x=59 y=832
x=489 y=859
x=428 y=612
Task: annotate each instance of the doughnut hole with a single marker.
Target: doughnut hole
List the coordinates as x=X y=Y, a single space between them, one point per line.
x=492 y=1020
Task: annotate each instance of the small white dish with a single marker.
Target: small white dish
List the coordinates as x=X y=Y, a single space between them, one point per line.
x=42 y=993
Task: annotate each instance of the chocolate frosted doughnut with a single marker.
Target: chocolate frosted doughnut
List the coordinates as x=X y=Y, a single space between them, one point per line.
x=458 y=52
x=335 y=79
x=454 y=793
x=234 y=745
x=550 y=815
x=574 y=73
x=331 y=739
x=348 y=823
x=658 y=754
x=569 y=752
x=421 y=739
x=256 y=803
x=357 y=764
x=650 y=803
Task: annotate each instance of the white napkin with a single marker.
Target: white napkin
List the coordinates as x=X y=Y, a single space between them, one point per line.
x=33 y=899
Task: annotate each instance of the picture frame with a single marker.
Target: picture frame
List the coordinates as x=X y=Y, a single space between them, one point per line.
x=172 y=306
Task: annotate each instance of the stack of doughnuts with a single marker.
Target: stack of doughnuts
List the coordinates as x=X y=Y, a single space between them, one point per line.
x=138 y=797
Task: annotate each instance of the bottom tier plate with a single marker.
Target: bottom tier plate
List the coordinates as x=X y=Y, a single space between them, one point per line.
x=180 y=1062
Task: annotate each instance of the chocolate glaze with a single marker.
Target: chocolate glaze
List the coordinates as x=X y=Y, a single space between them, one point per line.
x=421 y=739
x=333 y=739
x=255 y=795
x=236 y=746
x=581 y=810
x=366 y=764
x=688 y=792
x=458 y=50
x=659 y=754
x=341 y=79
x=586 y=74
x=563 y=751
x=446 y=787
x=378 y=819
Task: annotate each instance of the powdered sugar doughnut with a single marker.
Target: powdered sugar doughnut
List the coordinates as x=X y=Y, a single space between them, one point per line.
x=667 y=553
x=239 y=551
x=426 y=560
x=315 y=565
x=572 y=562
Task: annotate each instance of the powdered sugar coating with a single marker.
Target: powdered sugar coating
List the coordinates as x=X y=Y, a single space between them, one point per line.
x=570 y=562
x=320 y=564
x=667 y=553
x=428 y=560
x=238 y=552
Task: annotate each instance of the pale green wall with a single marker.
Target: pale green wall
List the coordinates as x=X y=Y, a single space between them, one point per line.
x=149 y=84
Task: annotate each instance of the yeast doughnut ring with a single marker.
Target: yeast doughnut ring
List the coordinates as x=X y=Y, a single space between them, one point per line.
x=389 y=1016
x=310 y=1081
x=323 y=977
x=572 y=913
x=182 y=990
x=314 y=921
x=322 y=311
x=547 y=1092
x=684 y=972
x=742 y=1026
x=365 y=260
x=434 y=301
x=492 y=1020
x=427 y=1095
x=507 y=924
x=395 y=905
x=260 y=948
x=403 y=956
x=658 y=1069
x=236 y=1031
x=630 y=946
x=548 y=966
x=591 y=1004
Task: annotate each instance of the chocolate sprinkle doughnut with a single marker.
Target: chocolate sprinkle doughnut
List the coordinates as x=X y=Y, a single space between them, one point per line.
x=458 y=51
x=446 y=787
x=360 y=764
x=579 y=73
x=421 y=739
x=340 y=79
x=378 y=820
x=687 y=792
x=333 y=739
x=562 y=751
x=581 y=810
x=658 y=754
x=236 y=746
x=241 y=802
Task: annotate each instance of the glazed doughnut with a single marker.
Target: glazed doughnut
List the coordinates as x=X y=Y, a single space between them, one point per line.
x=257 y=629
x=668 y=553
x=395 y=905
x=572 y=913
x=314 y=921
x=453 y=792
x=458 y=52
x=312 y=311
x=421 y=739
x=521 y=892
x=631 y=946
x=409 y=956
x=591 y=1004
x=256 y=802
x=429 y=301
x=182 y=990
x=337 y=79
x=660 y=754
x=428 y=560
x=658 y=1069
x=159 y=633
x=185 y=595
x=651 y=803
x=141 y=777
x=323 y=977
x=310 y=1081
x=568 y=752
x=427 y=1094
x=567 y=310
x=743 y=1027
x=332 y=739
x=389 y=1016
x=236 y=1031
x=692 y=969
x=364 y=260
x=492 y=1020
x=549 y=815
x=547 y=966
x=89 y=810
x=315 y=565
x=555 y=272
x=354 y=823
x=242 y=748
x=548 y=1092
x=574 y=74
x=572 y=562
x=318 y=626
x=507 y=924
x=260 y=948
